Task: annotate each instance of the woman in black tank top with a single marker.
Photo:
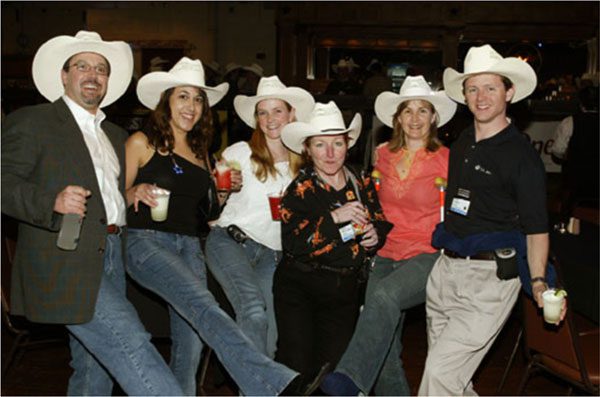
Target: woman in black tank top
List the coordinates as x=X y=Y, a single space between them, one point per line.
x=165 y=256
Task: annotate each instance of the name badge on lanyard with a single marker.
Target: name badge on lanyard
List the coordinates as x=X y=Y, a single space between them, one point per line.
x=461 y=203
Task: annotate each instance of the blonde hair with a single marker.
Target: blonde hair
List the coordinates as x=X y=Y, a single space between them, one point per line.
x=262 y=158
x=398 y=141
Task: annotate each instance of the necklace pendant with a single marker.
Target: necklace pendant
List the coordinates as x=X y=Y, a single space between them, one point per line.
x=177 y=169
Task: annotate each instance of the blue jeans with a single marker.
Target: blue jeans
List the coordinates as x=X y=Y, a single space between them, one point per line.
x=156 y=263
x=374 y=354
x=245 y=271
x=186 y=345
x=114 y=342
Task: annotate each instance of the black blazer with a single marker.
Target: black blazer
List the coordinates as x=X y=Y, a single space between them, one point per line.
x=43 y=151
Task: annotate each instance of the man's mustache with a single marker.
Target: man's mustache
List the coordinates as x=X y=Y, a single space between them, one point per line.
x=91 y=80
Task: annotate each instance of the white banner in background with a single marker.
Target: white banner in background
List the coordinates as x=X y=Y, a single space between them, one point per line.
x=541 y=134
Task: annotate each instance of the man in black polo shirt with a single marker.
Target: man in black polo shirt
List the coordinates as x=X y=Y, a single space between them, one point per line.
x=496 y=194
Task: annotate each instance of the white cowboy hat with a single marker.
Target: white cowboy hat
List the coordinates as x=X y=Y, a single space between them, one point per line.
x=414 y=87
x=485 y=59
x=373 y=62
x=345 y=63
x=256 y=69
x=325 y=119
x=272 y=88
x=231 y=66
x=157 y=63
x=52 y=55
x=186 y=72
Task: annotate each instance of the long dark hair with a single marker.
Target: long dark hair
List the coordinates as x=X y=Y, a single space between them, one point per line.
x=160 y=135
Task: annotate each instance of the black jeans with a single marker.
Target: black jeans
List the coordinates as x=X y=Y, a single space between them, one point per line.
x=316 y=312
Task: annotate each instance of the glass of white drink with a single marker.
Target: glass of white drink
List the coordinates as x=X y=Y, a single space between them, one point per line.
x=553 y=302
x=159 y=213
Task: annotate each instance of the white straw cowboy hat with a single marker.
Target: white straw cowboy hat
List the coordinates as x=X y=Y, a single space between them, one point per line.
x=414 y=88
x=373 y=62
x=325 y=119
x=272 y=88
x=345 y=63
x=186 y=72
x=485 y=59
x=157 y=64
x=52 y=55
x=231 y=66
x=256 y=69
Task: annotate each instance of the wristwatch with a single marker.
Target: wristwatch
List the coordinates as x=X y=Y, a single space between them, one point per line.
x=536 y=279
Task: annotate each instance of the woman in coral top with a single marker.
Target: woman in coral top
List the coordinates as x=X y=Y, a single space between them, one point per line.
x=408 y=164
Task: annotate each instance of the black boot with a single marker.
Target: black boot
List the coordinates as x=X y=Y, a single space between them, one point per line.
x=305 y=384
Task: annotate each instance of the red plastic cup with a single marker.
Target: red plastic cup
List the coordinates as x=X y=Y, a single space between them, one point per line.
x=275 y=205
x=223 y=178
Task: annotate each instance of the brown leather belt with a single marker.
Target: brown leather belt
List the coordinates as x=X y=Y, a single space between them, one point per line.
x=482 y=256
x=113 y=229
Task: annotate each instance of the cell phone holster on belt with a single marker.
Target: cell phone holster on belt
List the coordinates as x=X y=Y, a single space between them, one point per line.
x=236 y=234
x=507 y=266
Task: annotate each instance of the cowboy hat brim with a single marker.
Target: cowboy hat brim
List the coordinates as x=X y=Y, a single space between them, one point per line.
x=51 y=56
x=299 y=99
x=519 y=72
x=387 y=103
x=254 y=69
x=294 y=134
x=151 y=86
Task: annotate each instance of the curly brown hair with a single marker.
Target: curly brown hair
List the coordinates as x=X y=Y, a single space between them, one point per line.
x=398 y=140
x=160 y=134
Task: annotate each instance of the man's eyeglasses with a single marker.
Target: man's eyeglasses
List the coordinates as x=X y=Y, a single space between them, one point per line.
x=85 y=67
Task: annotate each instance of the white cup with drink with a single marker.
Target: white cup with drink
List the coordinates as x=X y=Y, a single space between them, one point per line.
x=159 y=213
x=553 y=303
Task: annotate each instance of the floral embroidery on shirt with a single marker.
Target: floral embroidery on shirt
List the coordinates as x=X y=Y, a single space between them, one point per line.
x=303 y=187
x=308 y=230
x=355 y=250
x=327 y=248
x=316 y=238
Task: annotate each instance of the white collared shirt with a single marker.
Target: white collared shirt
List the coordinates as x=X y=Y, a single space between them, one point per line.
x=106 y=163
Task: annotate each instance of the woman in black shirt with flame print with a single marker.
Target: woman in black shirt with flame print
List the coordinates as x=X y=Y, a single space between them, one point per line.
x=332 y=224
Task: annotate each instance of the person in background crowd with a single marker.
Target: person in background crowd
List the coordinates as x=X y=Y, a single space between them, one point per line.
x=378 y=82
x=213 y=78
x=213 y=73
x=408 y=165
x=158 y=64
x=165 y=256
x=252 y=74
x=62 y=159
x=496 y=196
x=245 y=268
x=231 y=74
x=247 y=85
x=332 y=225
x=576 y=145
x=344 y=82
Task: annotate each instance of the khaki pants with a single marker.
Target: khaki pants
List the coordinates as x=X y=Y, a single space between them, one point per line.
x=467 y=305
